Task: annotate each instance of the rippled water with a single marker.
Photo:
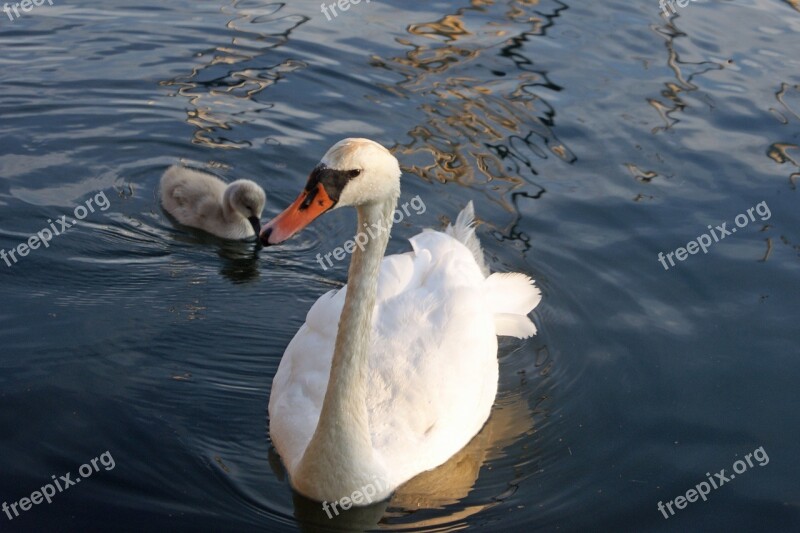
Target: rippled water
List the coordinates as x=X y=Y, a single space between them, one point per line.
x=591 y=136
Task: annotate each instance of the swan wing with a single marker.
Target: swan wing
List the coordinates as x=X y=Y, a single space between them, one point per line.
x=433 y=355
x=433 y=346
x=434 y=370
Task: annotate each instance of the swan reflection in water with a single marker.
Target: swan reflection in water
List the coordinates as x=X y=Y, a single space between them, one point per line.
x=437 y=489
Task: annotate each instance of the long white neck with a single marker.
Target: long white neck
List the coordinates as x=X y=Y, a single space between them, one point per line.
x=339 y=459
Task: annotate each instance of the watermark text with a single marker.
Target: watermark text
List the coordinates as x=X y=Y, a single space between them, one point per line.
x=61 y=225
x=358 y=497
x=671 y=3
x=343 y=5
x=703 y=489
x=370 y=232
x=64 y=482
x=12 y=10
x=704 y=241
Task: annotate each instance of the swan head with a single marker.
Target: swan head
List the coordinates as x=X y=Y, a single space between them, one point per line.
x=353 y=172
x=246 y=198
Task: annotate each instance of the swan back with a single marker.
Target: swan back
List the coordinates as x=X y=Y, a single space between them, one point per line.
x=432 y=367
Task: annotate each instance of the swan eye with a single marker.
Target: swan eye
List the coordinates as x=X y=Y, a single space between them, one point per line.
x=309 y=199
x=332 y=180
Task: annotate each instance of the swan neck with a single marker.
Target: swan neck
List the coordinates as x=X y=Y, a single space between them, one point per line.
x=355 y=325
x=341 y=450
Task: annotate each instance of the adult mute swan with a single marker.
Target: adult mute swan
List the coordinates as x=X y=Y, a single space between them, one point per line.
x=410 y=373
x=203 y=201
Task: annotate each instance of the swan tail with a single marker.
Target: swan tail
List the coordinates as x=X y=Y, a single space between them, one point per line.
x=511 y=297
x=464 y=232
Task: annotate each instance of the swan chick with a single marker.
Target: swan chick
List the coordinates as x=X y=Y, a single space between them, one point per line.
x=201 y=200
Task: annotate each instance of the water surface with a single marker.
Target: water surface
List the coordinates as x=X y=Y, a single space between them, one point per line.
x=591 y=136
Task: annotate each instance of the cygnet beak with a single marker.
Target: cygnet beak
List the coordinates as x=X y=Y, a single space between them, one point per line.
x=256 y=223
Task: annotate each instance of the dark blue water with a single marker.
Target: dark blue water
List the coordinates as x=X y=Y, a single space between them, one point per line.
x=591 y=136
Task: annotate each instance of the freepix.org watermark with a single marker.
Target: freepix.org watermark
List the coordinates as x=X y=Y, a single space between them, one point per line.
x=703 y=489
x=358 y=497
x=704 y=241
x=12 y=10
x=370 y=232
x=61 y=225
x=671 y=3
x=343 y=5
x=64 y=482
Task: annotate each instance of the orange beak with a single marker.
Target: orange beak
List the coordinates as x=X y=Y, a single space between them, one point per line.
x=308 y=206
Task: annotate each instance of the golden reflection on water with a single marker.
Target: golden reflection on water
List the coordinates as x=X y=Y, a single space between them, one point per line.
x=779 y=151
x=224 y=98
x=450 y=483
x=781 y=97
x=674 y=104
x=477 y=132
x=447 y=485
x=671 y=102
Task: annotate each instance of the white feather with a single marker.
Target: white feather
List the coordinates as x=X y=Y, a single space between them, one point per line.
x=433 y=368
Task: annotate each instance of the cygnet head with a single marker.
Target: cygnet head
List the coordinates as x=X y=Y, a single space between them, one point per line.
x=353 y=172
x=248 y=199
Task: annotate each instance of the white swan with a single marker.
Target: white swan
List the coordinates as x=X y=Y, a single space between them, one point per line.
x=203 y=201
x=410 y=374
